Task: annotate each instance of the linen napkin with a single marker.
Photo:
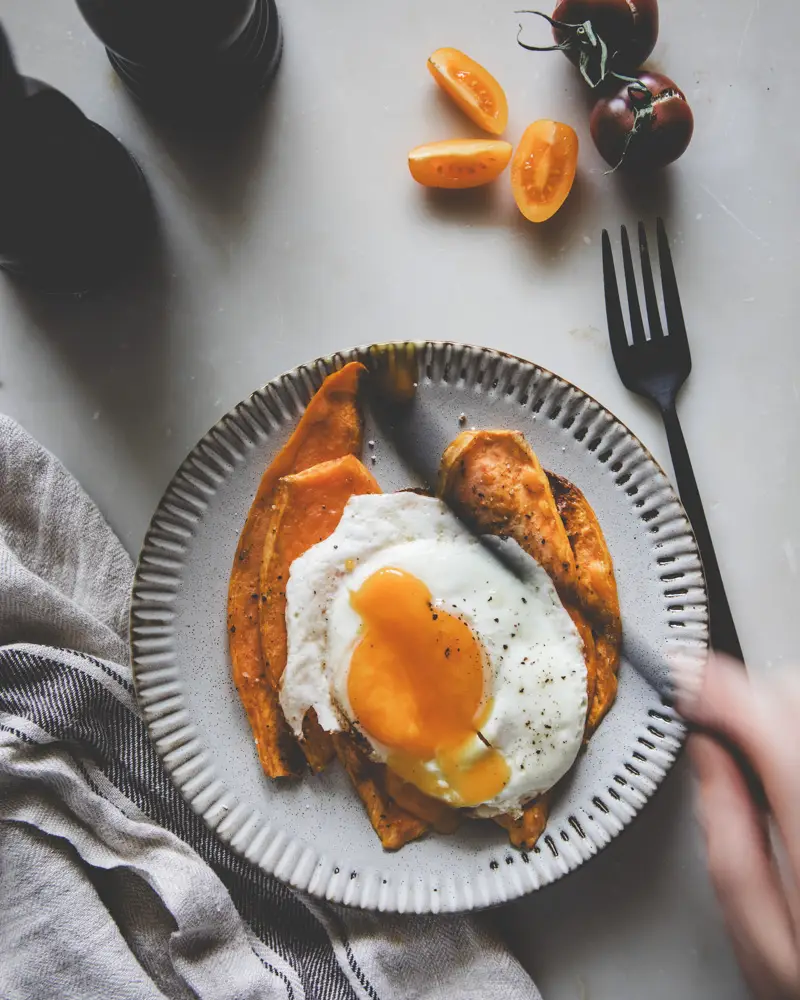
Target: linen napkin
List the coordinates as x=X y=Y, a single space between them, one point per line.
x=110 y=886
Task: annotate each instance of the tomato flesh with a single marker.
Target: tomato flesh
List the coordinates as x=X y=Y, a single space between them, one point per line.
x=472 y=87
x=459 y=163
x=543 y=169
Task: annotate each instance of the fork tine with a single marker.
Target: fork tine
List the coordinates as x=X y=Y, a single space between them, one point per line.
x=672 y=300
x=651 y=302
x=616 y=322
x=637 y=326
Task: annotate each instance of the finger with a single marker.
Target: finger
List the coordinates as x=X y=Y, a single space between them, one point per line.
x=760 y=716
x=720 y=698
x=743 y=872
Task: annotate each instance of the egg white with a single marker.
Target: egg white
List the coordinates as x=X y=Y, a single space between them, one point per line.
x=536 y=675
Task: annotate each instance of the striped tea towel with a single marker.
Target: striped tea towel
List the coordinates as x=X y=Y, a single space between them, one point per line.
x=110 y=887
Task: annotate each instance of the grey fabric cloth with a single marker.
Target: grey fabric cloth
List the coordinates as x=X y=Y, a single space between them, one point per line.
x=109 y=885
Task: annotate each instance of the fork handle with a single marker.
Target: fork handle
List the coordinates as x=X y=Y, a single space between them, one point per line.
x=721 y=627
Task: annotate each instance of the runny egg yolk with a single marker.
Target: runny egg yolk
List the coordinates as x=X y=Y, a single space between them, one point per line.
x=416 y=684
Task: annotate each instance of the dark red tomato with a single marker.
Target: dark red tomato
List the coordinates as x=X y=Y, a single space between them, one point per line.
x=643 y=126
x=628 y=28
x=602 y=36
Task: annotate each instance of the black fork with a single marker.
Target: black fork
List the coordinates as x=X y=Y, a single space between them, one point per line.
x=656 y=368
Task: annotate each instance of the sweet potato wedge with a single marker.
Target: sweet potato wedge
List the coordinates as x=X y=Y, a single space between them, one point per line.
x=307 y=508
x=330 y=428
x=393 y=824
x=525 y=831
x=589 y=651
x=495 y=481
x=594 y=570
x=607 y=681
x=440 y=816
x=596 y=591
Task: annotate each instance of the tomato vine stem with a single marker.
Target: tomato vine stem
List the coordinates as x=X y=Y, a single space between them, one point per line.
x=581 y=37
x=643 y=104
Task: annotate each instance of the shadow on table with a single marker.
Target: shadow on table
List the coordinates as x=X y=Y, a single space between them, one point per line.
x=120 y=343
x=647 y=196
x=470 y=207
x=549 y=241
x=219 y=164
x=116 y=345
x=616 y=890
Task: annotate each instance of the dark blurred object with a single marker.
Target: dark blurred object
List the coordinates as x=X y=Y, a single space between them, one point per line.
x=195 y=59
x=74 y=205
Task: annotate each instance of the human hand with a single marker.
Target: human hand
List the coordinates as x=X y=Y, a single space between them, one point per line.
x=753 y=853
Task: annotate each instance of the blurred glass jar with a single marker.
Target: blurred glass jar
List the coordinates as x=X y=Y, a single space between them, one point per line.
x=75 y=209
x=195 y=59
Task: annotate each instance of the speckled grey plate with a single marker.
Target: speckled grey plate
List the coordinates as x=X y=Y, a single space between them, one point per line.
x=314 y=833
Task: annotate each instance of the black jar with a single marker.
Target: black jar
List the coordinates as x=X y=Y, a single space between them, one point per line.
x=75 y=209
x=197 y=59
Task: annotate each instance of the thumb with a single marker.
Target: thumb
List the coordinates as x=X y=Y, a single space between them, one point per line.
x=723 y=699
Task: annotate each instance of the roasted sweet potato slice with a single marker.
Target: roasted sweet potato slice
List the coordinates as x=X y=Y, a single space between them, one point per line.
x=330 y=428
x=594 y=570
x=606 y=685
x=589 y=650
x=495 y=481
x=596 y=591
x=394 y=825
x=307 y=508
x=525 y=831
x=443 y=818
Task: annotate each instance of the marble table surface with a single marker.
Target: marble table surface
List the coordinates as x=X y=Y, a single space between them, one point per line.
x=303 y=233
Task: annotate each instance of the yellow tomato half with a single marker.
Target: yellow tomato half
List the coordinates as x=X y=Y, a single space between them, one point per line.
x=472 y=87
x=459 y=163
x=543 y=169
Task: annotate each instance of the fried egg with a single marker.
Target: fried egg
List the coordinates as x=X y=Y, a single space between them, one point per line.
x=463 y=677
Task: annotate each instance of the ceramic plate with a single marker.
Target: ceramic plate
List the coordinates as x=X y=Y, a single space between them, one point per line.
x=314 y=834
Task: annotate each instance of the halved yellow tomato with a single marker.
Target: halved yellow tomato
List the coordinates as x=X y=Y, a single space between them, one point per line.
x=543 y=168
x=459 y=163
x=472 y=87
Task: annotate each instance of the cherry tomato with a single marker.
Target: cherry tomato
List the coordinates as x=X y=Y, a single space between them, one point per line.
x=459 y=163
x=645 y=125
x=543 y=169
x=472 y=87
x=603 y=36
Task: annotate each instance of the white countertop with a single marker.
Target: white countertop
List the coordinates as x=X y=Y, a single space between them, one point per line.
x=306 y=234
